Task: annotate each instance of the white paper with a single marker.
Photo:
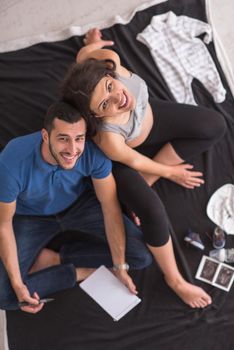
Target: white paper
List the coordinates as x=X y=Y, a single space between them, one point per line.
x=109 y=293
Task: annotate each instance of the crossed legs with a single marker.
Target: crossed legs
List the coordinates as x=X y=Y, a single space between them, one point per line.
x=47 y=258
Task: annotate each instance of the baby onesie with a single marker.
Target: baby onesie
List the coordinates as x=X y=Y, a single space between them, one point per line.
x=181 y=56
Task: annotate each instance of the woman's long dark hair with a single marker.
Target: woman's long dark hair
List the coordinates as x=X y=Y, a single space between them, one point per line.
x=79 y=84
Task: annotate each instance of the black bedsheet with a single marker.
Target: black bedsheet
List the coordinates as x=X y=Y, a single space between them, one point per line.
x=29 y=83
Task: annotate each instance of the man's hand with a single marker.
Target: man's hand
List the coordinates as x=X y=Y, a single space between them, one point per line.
x=124 y=277
x=23 y=294
x=184 y=176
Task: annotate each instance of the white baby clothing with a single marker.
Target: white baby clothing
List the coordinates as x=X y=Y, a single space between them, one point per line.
x=181 y=56
x=220 y=208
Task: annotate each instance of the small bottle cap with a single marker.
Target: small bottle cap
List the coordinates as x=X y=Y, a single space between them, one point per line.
x=218 y=254
x=222 y=254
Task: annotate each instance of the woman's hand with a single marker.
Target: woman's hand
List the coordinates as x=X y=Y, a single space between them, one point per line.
x=93 y=43
x=92 y=36
x=184 y=176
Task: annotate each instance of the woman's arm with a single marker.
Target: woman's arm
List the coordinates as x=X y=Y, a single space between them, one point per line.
x=114 y=146
x=95 y=50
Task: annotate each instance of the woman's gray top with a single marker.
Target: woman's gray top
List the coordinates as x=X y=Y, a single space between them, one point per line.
x=132 y=128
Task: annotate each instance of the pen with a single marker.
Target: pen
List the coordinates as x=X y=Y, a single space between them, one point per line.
x=41 y=301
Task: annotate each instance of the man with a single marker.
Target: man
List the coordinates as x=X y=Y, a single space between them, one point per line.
x=46 y=189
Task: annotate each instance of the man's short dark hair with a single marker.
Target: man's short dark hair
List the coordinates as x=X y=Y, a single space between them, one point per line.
x=63 y=111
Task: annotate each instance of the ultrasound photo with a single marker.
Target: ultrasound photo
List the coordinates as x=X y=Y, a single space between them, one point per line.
x=216 y=273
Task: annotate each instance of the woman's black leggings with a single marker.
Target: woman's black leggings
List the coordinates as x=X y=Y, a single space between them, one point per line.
x=191 y=130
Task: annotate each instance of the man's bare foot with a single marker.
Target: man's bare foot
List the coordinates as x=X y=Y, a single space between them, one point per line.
x=192 y=295
x=92 y=36
x=82 y=273
x=46 y=258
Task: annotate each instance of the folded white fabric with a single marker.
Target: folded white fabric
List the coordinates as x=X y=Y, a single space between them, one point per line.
x=220 y=208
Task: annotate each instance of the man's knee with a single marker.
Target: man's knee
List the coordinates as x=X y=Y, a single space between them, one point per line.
x=137 y=253
x=145 y=259
x=141 y=259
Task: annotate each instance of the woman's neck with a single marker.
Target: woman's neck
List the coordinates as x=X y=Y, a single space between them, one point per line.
x=118 y=120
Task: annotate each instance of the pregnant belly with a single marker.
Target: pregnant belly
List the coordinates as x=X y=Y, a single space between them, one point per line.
x=147 y=124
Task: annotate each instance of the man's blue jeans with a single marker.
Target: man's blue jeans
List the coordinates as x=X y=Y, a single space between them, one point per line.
x=33 y=233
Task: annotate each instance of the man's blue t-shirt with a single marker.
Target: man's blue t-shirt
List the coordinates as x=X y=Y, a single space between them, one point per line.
x=39 y=187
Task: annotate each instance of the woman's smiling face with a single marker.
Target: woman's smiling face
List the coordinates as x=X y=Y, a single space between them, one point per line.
x=111 y=98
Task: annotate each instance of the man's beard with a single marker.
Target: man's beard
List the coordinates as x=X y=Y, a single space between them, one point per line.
x=56 y=158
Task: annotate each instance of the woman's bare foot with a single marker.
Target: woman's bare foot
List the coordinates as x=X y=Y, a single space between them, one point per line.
x=46 y=258
x=92 y=36
x=192 y=295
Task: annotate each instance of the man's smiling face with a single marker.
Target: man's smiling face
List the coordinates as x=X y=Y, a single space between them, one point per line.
x=64 y=144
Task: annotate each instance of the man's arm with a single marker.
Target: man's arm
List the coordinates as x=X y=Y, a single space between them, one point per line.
x=106 y=193
x=9 y=256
